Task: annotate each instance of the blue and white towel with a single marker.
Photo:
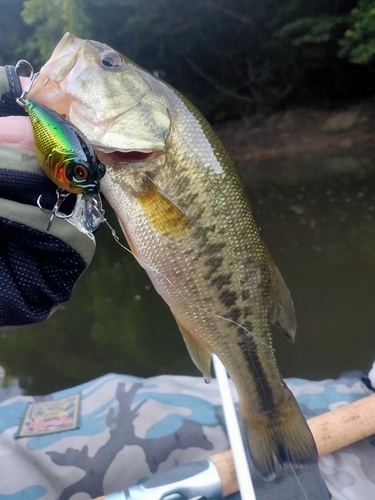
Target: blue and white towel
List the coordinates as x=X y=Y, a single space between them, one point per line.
x=132 y=428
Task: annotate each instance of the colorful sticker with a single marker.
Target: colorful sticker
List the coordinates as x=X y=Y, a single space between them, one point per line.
x=49 y=417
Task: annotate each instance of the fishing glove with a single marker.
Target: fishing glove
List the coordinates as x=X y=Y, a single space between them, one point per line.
x=38 y=269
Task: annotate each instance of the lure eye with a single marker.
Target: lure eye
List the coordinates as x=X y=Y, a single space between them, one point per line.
x=80 y=172
x=110 y=60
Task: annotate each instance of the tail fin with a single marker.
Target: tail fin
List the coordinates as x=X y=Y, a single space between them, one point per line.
x=281 y=436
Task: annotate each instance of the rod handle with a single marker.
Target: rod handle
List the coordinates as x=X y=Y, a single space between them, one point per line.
x=345 y=425
x=225 y=466
x=332 y=431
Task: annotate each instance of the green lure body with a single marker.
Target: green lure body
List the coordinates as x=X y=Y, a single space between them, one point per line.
x=62 y=151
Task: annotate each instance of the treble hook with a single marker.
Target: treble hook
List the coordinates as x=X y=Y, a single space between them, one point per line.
x=33 y=76
x=61 y=197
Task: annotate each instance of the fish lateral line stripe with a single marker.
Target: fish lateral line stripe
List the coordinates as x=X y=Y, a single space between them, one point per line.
x=250 y=355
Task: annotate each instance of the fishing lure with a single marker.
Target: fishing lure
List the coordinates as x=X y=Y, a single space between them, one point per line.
x=66 y=157
x=88 y=213
x=62 y=151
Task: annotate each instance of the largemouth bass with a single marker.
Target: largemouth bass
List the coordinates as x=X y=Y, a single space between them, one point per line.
x=187 y=220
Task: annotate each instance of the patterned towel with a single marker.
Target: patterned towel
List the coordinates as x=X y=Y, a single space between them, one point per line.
x=131 y=428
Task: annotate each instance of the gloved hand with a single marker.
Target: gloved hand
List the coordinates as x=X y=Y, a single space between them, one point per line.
x=38 y=269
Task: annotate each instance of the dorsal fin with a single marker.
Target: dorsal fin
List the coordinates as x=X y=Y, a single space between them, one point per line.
x=199 y=354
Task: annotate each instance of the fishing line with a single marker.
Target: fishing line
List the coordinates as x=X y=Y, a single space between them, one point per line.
x=299 y=482
x=144 y=264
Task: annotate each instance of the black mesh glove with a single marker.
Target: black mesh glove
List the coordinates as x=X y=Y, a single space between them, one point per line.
x=10 y=89
x=38 y=269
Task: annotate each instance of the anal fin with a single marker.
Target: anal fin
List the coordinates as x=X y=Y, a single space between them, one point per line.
x=282 y=315
x=199 y=354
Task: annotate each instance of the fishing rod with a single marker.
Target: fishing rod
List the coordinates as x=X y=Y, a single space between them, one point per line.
x=241 y=465
x=215 y=477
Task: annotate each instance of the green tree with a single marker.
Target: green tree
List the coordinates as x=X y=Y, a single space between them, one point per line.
x=352 y=31
x=50 y=20
x=13 y=32
x=358 y=43
x=229 y=58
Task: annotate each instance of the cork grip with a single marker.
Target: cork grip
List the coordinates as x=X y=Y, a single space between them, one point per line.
x=344 y=426
x=332 y=430
x=225 y=467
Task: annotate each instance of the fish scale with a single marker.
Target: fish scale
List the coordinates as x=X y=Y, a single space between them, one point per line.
x=187 y=220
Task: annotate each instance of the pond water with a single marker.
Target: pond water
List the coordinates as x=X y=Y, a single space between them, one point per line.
x=321 y=233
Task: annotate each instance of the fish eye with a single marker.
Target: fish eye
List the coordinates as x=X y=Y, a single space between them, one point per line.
x=110 y=60
x=80 y=172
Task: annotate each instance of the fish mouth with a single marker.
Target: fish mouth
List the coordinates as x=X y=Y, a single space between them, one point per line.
x=61 y=61
x=46 y=88
x=121 y=157
x=70 y=40
x=130 y=156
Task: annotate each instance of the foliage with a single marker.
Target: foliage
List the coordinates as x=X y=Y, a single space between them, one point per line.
x=229 y=58
x=13 y=33
x=353 y=32
x=358 y=43
x=51 y=20
x=316 y=30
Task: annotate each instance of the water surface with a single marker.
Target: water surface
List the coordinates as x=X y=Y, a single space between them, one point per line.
x=321 y=232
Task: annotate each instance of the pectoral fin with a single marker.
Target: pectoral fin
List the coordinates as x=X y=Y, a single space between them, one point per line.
x=200 y=356
x=282 y=315
x=162 y=213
